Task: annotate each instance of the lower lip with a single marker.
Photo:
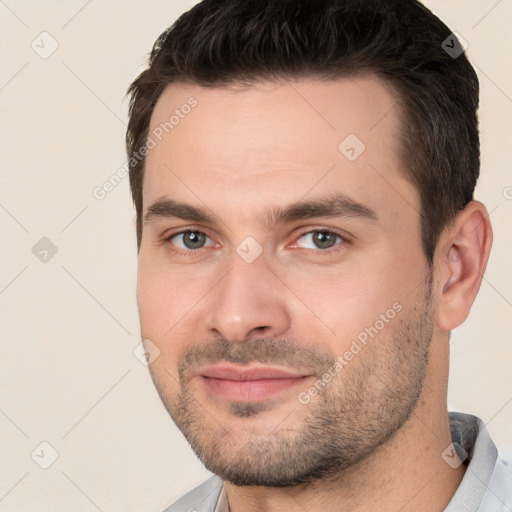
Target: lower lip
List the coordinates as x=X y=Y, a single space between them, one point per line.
x=249 y=390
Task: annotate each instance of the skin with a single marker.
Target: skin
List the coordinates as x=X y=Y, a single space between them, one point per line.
x=241 y=153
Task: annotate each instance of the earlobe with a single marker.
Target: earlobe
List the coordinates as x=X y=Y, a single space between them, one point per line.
x=462 y=257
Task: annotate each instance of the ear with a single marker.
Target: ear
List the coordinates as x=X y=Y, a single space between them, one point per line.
x=460 y=261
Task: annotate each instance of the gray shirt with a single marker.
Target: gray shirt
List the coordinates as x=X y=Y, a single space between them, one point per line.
x=486 y=486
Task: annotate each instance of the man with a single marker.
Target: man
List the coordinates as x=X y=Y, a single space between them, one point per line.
x=303 y=175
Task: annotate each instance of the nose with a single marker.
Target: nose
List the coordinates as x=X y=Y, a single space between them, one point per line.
x=250 y=301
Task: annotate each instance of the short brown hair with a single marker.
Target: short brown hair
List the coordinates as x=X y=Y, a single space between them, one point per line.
x=222 y=42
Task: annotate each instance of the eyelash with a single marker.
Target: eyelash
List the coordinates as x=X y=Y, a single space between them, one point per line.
x=339 y=246
x=331 y=250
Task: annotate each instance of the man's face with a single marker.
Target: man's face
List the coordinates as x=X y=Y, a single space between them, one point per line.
x=293 y=316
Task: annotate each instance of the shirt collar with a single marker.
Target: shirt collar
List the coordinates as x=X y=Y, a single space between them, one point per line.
x=222 y=504
x=470 y=434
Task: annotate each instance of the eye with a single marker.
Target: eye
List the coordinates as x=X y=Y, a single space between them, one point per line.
x=190 y=240
x=319 y=239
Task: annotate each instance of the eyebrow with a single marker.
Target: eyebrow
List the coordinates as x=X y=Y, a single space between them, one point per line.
x=168 y=208
x=334 y=205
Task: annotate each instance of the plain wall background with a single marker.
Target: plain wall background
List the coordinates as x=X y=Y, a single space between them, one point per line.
x=68 y=375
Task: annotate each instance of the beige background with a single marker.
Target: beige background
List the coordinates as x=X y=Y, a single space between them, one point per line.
x=68 y=375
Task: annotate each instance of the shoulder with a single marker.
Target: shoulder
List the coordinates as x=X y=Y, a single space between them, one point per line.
x=201 y=499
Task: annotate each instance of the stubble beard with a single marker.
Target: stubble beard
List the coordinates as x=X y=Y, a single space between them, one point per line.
x=359 y=410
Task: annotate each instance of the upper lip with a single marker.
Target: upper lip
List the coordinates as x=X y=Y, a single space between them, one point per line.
x=231 y=372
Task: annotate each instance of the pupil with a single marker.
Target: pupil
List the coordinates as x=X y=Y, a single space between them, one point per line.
x=193 y=240
x=323 y=239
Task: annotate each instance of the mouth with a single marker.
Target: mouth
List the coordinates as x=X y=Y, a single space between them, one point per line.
x=249 y=384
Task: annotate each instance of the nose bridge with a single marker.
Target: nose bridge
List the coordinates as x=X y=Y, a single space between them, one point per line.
x=248 y=301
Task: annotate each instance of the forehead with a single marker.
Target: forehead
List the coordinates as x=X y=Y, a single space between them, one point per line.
x=273 y=142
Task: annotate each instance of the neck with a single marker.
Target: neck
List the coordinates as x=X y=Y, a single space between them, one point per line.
x=405 y=473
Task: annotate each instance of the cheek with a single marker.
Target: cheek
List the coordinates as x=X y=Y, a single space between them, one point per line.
x=163 y=296
x=169 y=303
x=156 y=307
x=353 y=299
x=152 y=299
